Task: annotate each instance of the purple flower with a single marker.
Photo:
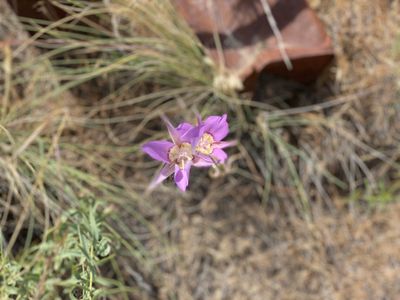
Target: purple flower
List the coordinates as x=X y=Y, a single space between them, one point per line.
x=209 y=147
x=199 y=146
x=177 y=155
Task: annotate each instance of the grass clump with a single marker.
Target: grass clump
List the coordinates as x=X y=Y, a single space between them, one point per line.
x=68 y=260
x=54 y=238
x=55 y=242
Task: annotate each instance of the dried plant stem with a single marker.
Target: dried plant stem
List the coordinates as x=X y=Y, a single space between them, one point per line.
x=277 y=34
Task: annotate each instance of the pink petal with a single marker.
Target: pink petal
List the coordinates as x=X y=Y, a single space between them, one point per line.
x=219 y=155
x=194 y=135
x=184 y=127
x=158 y=150
x=165 y=172
x=173 y=132
x=217 y=126
x=189 y=133
x=222 y=144
x=182 y=177
x=201 y=161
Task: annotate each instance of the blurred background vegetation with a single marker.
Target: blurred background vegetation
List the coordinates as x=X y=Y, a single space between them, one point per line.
x=306 y=207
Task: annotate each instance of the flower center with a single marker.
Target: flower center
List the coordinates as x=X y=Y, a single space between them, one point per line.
x=181 y=154
x=205 y=145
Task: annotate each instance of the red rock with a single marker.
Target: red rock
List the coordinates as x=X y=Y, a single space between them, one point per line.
x=248 y=43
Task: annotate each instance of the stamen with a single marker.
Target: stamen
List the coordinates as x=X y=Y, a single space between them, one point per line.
x=205 y=145
x=181 y=154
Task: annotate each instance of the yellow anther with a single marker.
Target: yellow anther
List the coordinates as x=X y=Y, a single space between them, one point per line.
x=205 y=145
x=181 y=154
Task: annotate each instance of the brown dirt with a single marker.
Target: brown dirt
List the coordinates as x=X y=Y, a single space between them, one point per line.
x=232 y=249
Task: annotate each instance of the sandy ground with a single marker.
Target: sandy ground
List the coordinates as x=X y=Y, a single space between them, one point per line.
x=231 y=250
